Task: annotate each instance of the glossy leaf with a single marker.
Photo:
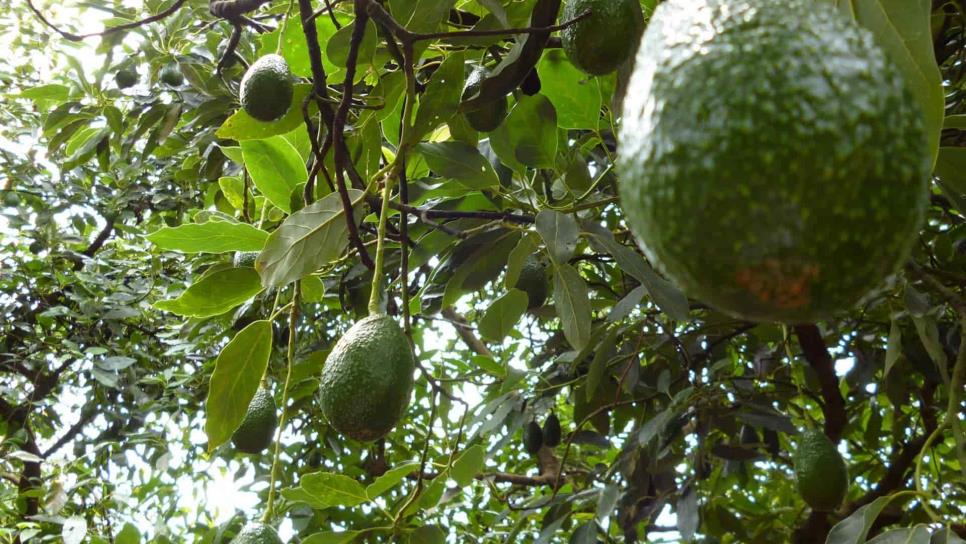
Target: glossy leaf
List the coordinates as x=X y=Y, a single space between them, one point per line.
x=215 y=293
x=560 y=232
x=322 y=490
x=468 y=465
x=209 y=237
x=855 y=528
x=390 y=479
x=238 y=370
x=575 y=95
x=459 y=162
x=241 y=126
x=441 y=98
x=528 y=136
x=572 y=303
x=275 y=167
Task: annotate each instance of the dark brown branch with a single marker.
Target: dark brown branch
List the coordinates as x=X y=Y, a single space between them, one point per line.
x=818 y=357
x=466 y=333
x=126 y=26
x=71 y=433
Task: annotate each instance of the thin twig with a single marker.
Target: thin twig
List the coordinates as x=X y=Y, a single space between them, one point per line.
x=126 y=26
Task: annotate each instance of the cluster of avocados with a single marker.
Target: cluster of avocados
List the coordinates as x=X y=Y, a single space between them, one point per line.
x=774 y=164
x=535 y=437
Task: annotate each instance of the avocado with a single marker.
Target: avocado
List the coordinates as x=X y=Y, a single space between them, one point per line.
x=257 y=533
x=171 y=75
x=821 y=474
x=125 y=77
x=772 y=161
x=602 y=41
x=551 y=431
x=533 y=282
x=367 y=379
x=266 y=88
x=489 y=116
x=257 y=430
x=11 y=198
x=532 y=437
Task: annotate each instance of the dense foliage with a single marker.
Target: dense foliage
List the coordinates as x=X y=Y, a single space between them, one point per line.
x=162 y=254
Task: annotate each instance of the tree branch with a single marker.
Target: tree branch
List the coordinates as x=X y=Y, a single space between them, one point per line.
x=466 y=333
x=126 y=26
x=818 y=357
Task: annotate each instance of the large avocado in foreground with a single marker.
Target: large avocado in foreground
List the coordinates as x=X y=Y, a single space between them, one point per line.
x=820 y=472
x=602 y=41
x=266 y=88
x=367 y=379
x=490 y=114
x=773 y=163
x=258 y=428
x=257 y=533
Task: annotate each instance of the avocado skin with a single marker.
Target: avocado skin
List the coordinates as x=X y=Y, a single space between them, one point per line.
x=533 y=282
x=125 y=77
x=266 y=88
x=794 y=193
x=601 y=42
x=489 y=116
x=171 y=75
x=257 y=430
x=257 y=533
x=551 y=431
x=367 y=379
x=532 y=437
x=820 y=472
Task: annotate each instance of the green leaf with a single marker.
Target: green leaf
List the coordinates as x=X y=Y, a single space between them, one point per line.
x=390 y=479
x=238 y=371
x=893 y=347
x=951 y=167
x=526 y=247
x=607 y=502
x=955 y=122
x=910 y=535
x=560 y=232
x=322 y=490
x=460 y=162
x=331 y=537
x=902 y=28
x=209 y=237
x=295 y=48
x=528 y=136
x=241 y=126
x=420 y=15
x=215 y=293
x=234 y=190
x=275 y=167
x=307 y=240
x=441 y=98
x=855 y=528
x=573 y=304
x=51 y=91
x=574 y=95
x=585 y=534
x=468 y=465
x=74 y=530
x=428 y=534
x=502 y=315
x=129 y=534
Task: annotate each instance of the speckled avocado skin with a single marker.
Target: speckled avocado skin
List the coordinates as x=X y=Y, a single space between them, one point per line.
x=257 y=533
x=266 y=88
x=773 y=164
x=599 y=43
x=820 y=472
x=367 y=379
x=487 y=117
x=258 y=428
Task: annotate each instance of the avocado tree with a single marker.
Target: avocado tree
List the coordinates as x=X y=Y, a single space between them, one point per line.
x=436 y=271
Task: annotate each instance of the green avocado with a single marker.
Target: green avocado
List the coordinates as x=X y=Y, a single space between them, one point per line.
x=533 y=282
x=489 y=116
x=257 y=430
x=602 y=41
x=125 y=77
x=821 y=474
x=367 y=379
x=772 y=161
x=171 y=75
x=257 y=533
x=266 y=88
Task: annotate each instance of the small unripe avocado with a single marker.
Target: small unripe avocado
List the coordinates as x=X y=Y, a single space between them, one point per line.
x=821 y=474
x=171 y=75
x=258 y=428
x=602 y=41
x=367 y=379
x=257 y=533
x=533 y=282
x=125 y=77
x=266 y=88
x=551 y=431
x=488 y=116
x=532 y=437
x=11 y=198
